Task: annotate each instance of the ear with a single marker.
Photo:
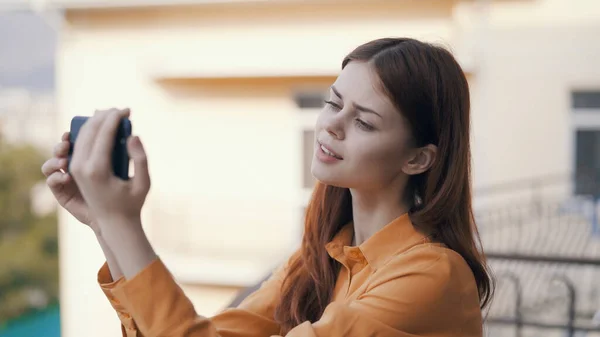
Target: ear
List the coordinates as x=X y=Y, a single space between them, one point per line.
x=420 y=160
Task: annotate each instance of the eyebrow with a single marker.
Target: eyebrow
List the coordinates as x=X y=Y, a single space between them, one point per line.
x=358 y=107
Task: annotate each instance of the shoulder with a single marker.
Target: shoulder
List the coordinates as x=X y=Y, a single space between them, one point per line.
x=427 y=289
x=427 y=257
x=430 y=272
x=430 y=258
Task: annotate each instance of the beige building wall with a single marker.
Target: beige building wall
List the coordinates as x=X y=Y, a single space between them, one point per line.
x=211 y=88
x=533 y=56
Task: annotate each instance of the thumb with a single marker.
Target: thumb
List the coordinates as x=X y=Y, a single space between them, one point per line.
x=141 y=178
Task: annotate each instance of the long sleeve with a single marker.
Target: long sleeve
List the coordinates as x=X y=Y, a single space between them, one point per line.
x=107 y=284
x=425 y=292
x=166 y=302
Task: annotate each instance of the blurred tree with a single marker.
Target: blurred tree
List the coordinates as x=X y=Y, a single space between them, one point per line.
x=28 y=241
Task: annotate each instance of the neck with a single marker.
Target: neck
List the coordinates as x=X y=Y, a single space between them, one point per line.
x=372 y=210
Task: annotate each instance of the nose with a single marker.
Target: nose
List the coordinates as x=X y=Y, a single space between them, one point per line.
x=335 y=127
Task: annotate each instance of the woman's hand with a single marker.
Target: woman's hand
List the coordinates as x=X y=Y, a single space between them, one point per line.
x=109 y=198
x=63 y=186
x=115 y=204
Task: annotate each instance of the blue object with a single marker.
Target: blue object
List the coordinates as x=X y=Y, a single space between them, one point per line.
x=44 y=323
x=595 y=217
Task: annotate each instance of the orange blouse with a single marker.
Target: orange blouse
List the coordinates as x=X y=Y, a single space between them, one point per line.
x=395 y=284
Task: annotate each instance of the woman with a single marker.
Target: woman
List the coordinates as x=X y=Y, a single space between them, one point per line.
x=390 y=245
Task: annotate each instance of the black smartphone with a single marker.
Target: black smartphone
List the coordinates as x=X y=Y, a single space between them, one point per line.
x=120 y=157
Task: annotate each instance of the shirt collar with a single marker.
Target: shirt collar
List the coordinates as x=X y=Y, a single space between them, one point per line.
x=396 y=237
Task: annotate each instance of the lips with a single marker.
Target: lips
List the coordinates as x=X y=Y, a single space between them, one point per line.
x=328 y=151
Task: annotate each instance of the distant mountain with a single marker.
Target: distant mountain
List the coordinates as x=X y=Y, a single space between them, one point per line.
x=27 y=51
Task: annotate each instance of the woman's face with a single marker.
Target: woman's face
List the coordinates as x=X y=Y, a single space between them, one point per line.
x=361 y=139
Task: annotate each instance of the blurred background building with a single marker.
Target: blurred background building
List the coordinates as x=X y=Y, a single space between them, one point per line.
x=225 y=93
x=28 y=224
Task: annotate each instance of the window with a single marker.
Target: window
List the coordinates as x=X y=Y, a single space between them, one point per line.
x=308 y=149
x=586 y=117
x=310 y=100
x=586 y=99
x=587 y=162
x=309 y=104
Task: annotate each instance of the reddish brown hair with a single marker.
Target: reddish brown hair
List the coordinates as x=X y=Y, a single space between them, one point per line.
x=430 y=89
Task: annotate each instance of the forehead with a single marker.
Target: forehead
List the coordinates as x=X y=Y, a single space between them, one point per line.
x=359 y=84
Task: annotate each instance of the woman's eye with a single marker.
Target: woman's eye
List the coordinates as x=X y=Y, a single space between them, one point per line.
x=361 y=124
x=333 y=105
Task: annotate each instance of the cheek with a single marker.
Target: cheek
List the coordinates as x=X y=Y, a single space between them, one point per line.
x=380 y=156
x=378 y=149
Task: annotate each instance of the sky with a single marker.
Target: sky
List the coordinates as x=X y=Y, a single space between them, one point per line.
x=27 y=47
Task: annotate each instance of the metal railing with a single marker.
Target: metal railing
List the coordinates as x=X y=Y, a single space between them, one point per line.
x=540 y=241
x=569 y=320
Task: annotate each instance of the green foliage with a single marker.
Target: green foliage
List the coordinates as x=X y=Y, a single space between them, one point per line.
x=28 y=242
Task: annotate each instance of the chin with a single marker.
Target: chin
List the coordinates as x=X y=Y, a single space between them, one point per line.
x=332 y=183
x=329 y=177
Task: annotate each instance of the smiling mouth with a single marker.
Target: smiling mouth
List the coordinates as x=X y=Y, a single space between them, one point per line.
x=329 y=152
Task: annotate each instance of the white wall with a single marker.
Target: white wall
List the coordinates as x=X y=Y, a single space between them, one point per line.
x=224 y=152
x=528 y=98
x=535 y=54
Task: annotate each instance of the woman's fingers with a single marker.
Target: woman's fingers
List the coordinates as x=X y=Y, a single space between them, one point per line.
x=54 y=164
x=105 y=139
x=62 y=149
x=57 y=179
x=85 y=140
x=141 y=179
x=65 y=136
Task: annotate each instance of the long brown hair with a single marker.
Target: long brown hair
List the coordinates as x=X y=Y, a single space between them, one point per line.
x=430 y=89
